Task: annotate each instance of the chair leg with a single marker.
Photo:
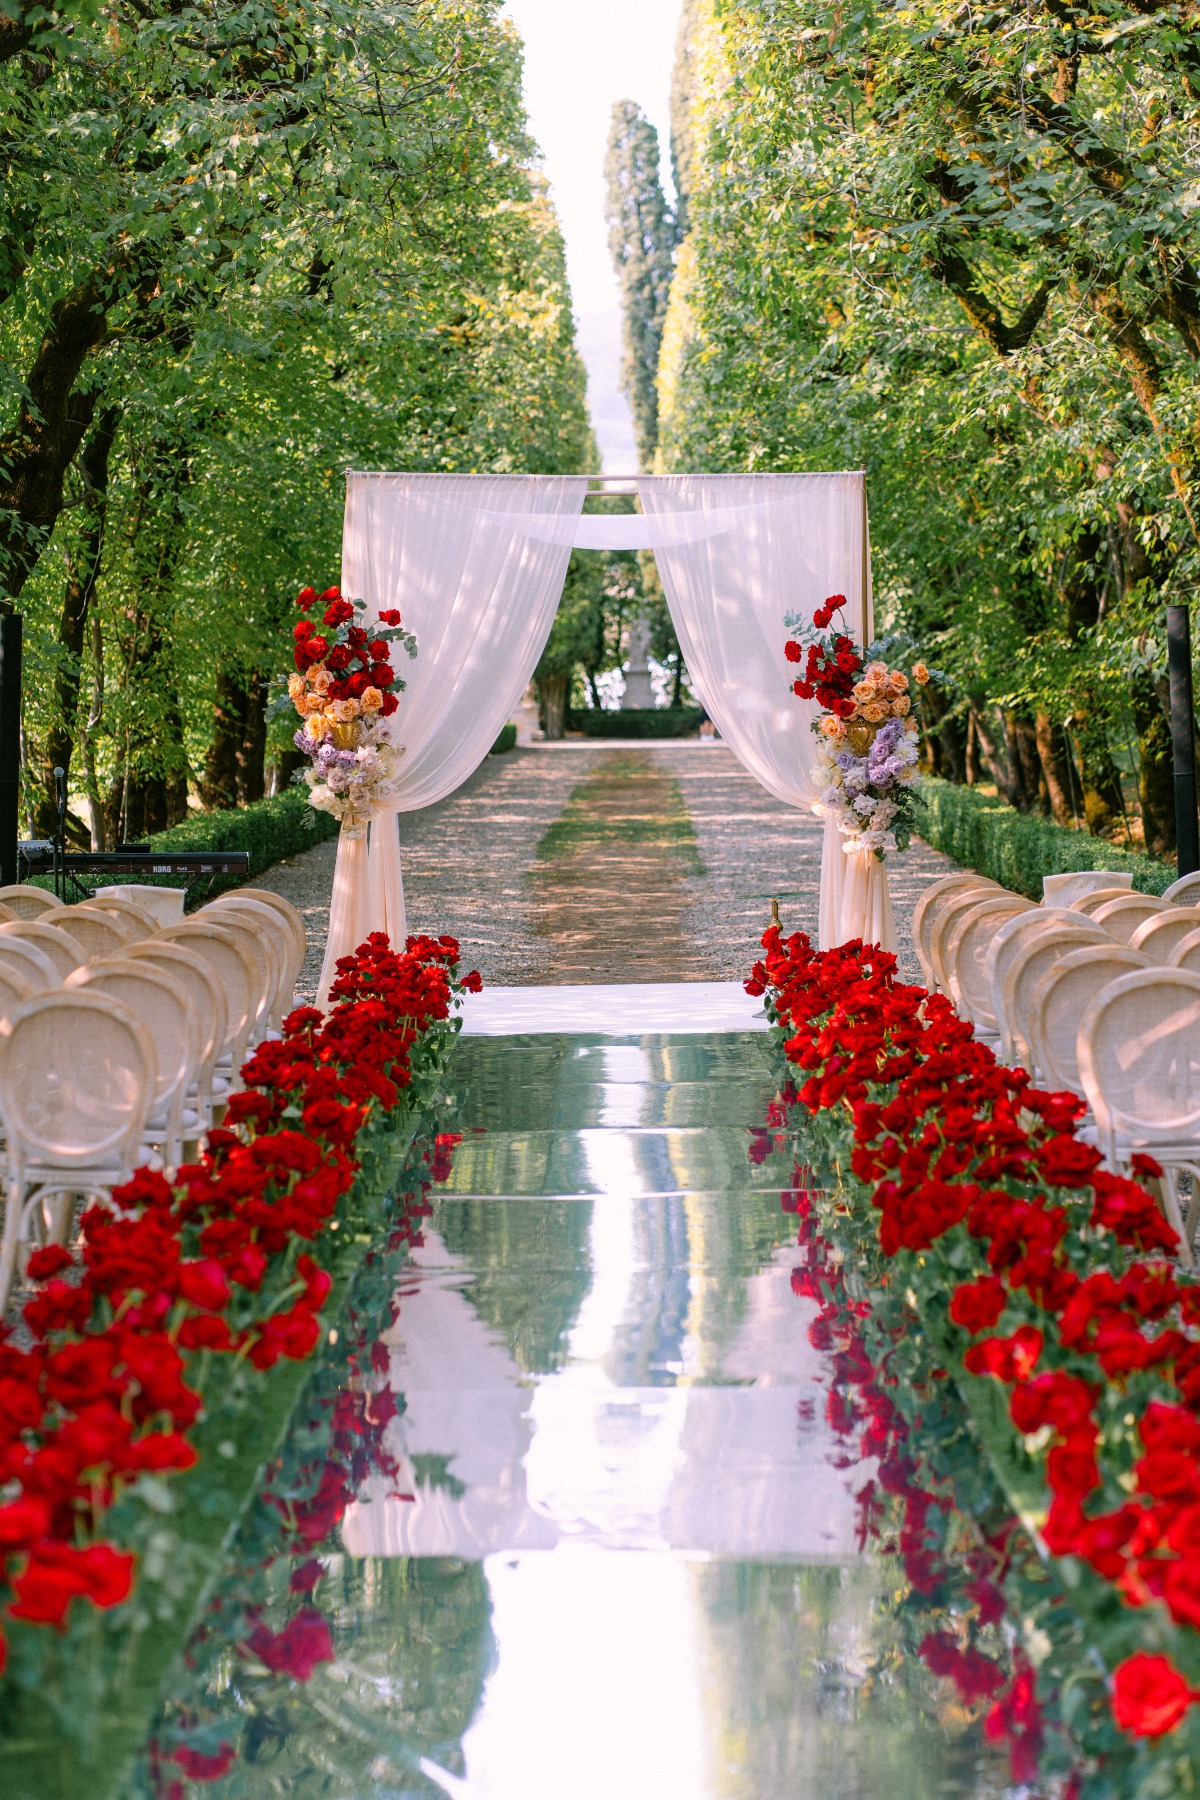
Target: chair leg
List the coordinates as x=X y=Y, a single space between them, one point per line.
x=1168 y=1188
x=14 y=1206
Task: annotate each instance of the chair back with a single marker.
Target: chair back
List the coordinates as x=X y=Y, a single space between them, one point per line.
x=25 y=902
x=1184 y=892
x=953 y=908
x=97 y=933
x=1059 y=1001
x=1026 y=970
x=162 y=1006
x=222 y=948
x=1186 y=954
x=14 y=987
x=1091 y=903
x=1157 y=937
x=140 y=922
x=966 y=954
x=1121 y=918
x=929 y=907
x=59 y=949
x=30 y=963
x=1012 y=937
x=76 y=1079
x=272 y=944
x=202 y=986
x=285 y=909
x=1139 y=1057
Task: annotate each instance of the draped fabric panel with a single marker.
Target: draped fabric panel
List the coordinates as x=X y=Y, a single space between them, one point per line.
x=455 y=554
x=773 y=544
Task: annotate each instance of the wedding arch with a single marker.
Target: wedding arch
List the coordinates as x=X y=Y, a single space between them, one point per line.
x=476 y=564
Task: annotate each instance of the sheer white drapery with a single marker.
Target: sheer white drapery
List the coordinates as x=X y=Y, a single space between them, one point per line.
x=782 y=543
x=480 y=591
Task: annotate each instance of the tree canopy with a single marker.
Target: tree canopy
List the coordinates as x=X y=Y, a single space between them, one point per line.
x=243 y=248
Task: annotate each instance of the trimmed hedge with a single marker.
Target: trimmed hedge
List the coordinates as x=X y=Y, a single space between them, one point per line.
x=506 y=741
x=648 y=722
x=1017 y=849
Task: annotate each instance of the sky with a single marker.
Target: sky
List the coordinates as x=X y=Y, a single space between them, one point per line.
x=580 y=57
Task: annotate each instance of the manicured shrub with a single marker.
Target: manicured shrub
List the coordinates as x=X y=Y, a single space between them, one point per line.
x=985 y=834
x=506 y=741
x=652 y=722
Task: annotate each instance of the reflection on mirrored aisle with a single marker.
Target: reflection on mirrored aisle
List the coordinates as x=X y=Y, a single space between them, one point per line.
x=623 y=1554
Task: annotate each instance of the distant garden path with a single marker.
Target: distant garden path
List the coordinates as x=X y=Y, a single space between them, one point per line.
x=605 y=863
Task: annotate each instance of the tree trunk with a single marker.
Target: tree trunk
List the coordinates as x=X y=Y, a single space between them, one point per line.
x=1156 y=769
x=219 y=783
x=1052 y=753
x=552 y=691
x=1025 y=765
x=101 y=839
x=83 y=569
x=252 y=751
x=993 y=752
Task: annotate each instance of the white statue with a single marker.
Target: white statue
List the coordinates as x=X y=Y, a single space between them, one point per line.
x=527 y=718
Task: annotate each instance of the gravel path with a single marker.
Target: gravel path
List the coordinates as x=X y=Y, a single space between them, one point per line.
x=669 y=880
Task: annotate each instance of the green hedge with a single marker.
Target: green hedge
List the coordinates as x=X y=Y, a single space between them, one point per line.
x=506 y=741
x=985 y=834
x=650 y=722
x=268 y=829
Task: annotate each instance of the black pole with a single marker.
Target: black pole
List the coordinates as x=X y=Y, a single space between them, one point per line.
x=10 y=743
x=1183 y=737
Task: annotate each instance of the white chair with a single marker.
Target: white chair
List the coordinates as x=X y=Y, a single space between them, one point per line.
x=1066 y=889
x=14 y=988
x=1059 y=1000
x=1184 y=892
x=1186 y=954
x=27 y=902
x=1139 y=1060
x=1012 y=938
x=1026 y=970
x=163 y=1007
x=62 y=951
x=953 y=908
x=162 y=904
x=29 y=963
x=273 y=950
x=224 y=949
x=929 y=907
x=141 y=923
x=297 y=938
x=96 y=933
x=1091 y=903
x=1157 y=937
x=1121 y=917
x=207 y=997
x=965 y=957
x=76 y=1080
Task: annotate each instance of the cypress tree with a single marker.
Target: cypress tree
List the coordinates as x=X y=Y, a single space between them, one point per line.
x=641 y=239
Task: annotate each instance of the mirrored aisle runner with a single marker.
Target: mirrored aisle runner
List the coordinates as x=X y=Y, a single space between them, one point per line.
x=623 y=1557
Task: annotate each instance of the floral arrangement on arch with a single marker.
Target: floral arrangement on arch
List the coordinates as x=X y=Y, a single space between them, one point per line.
x=345 y=689
x=866 y=735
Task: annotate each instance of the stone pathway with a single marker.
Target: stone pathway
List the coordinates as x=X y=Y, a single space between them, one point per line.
x=596 y=863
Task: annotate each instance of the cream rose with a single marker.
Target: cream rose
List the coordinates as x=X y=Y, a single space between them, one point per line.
x=901 y=706
x=344 y=711
x=897 y=682
x=832 y=727
x=372 y=699
x=921 y=673
x=876 y=712
x=319 y=679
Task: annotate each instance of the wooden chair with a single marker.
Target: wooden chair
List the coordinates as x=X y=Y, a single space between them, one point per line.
x=1184 y=892
x=955 y=907
x=29 y=963
x=141 y=923
x=1091 y=903
x=96 y=932
x=162 y=1005
x=1059 y=1000
x=207 y=997
x=965 y=956
x=1012 y=938
x=929 y=906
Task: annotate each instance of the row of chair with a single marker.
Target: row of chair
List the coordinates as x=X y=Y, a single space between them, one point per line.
x=1099 y=996
x=121 y=1040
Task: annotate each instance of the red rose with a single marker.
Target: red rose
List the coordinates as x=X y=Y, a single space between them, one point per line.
x=23 y=1522
x=306 y=596
x=339 y=657
x=1065 y=1162
x=391 y=617
x=199 y=1766
x=1181 y=1591
x=203 y=1284
x=43 y=1265
x=338 y=612
x=331 y=593
x=1149 y=1695
x=303 y=1644
x=792 y=650
x=1009 y=1359
x=389 y=705
x=978 y=1304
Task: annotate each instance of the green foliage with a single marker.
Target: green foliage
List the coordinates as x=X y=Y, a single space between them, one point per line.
x=257 y=248
x=506 y=741
x=271 y=829
x=641 y=240
x=1016 y=848
x=958 y=249
x=661 y=722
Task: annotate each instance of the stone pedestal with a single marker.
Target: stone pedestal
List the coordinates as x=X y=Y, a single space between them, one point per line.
x=639 y=689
